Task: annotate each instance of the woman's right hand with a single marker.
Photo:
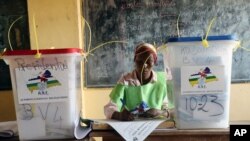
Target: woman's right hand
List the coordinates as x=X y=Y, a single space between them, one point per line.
x=124 y=115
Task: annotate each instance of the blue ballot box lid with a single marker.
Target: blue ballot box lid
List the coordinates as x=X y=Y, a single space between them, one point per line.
x=209 y=38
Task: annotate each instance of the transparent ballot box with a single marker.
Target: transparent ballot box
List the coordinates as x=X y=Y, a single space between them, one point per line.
x=46 y=91
x=201 y=80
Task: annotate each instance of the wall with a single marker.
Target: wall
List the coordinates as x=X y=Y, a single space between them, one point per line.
x=240 y=102
x=7 y=109
x=57 y=22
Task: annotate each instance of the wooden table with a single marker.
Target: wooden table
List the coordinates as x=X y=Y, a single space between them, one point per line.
x=171 y=135
x=165 y=132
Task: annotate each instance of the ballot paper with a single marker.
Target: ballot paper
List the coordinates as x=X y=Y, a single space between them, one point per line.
x=137 y=130
x=8 y=129
x=80 y=131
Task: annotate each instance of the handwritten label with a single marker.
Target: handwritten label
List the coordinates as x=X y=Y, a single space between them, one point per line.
x=205 y=107
x=41 y=64
x=29 y=111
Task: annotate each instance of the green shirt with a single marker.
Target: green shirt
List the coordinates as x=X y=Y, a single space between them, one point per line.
x=152 y=94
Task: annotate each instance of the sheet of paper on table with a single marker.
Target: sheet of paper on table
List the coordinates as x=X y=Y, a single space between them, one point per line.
x=137 y=130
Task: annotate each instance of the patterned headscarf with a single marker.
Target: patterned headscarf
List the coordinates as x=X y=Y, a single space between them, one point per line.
x=146 y=47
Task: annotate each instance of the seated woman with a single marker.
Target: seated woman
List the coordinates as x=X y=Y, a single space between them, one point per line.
x=140 y=93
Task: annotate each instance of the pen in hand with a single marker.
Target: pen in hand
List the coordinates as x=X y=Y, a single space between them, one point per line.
x=124 y=115
x=123 y=104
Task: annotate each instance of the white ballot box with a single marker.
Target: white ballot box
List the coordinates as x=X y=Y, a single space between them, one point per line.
x=201 y=80
x=47 y=92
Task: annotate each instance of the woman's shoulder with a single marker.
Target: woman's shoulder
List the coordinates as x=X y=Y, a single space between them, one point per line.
x=129 y=79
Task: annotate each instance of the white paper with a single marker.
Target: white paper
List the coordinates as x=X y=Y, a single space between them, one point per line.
x=8 y=125
x=8 y=129
x=133 y=130
x=81 y=132
x=212 y=82
x=32 y=128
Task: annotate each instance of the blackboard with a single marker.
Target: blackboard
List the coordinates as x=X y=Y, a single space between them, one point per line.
x=154 y=21
x=10 y=10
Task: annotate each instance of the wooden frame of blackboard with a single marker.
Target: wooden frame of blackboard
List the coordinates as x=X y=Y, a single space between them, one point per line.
x=240 y=81
x=135 y=18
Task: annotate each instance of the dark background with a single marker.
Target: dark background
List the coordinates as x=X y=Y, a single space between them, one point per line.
x=10 y=10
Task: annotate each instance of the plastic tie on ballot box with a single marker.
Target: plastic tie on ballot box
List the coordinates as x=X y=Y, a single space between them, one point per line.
x=204 y=41
x=239 y=45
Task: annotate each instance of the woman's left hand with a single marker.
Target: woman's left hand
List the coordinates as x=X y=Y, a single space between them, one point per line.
x=152 y=113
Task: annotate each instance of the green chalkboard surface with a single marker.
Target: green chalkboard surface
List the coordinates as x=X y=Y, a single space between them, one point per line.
x=154 y=21
x=10 y=10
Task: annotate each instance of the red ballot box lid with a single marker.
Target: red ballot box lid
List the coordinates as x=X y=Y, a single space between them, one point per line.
x=43 y=51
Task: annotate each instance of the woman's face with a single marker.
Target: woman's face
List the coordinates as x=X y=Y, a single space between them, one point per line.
x=144 y=64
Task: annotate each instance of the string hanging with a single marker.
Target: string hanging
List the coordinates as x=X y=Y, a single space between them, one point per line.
x=38 y=54
x=10 y=30
x=89 y=51
x=177 y=26
x=90 y=33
